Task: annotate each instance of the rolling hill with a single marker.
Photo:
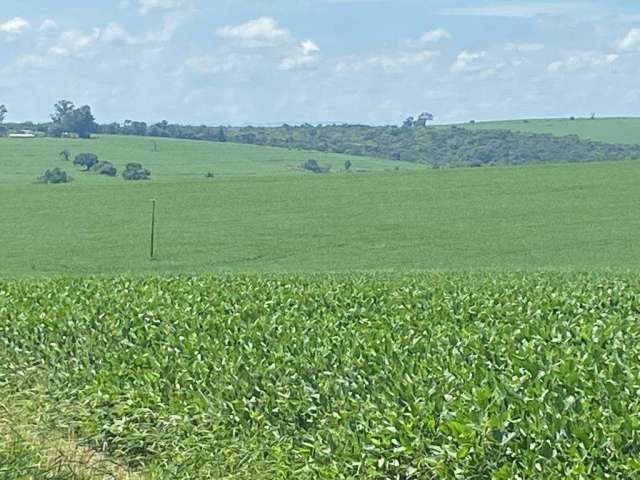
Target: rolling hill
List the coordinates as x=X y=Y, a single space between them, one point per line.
x=612 y=130
x=260 y=214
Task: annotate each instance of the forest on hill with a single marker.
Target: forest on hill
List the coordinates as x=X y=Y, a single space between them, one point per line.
x=414 y=141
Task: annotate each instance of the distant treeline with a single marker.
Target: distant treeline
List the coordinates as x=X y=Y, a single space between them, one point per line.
x=436 y=146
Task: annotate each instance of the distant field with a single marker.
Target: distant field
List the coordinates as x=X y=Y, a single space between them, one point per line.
x=612 y=130
x=545 y=217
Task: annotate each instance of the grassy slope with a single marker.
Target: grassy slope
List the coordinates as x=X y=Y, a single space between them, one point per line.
x=556 y=216
x=22 y=161
x=614 y=130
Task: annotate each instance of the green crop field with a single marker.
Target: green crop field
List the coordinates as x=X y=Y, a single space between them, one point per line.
x=355 y=325
x=612 y=130
x=580 y=217
x=436 y=376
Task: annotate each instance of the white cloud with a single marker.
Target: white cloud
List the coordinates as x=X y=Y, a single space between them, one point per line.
x=14 y=27
x=435 y=36
x=147 y=6
x=260 y=32
x=519 y=10
x=72 y=42
x=48 y=24
x=115 y=33
x=304 y=56
x=582 y=60
x=385 y=61
x=468 y=61
x=631 y=40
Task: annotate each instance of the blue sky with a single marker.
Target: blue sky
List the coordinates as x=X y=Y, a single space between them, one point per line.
x=360 y=61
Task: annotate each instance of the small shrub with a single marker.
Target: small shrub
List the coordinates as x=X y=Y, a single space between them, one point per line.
x=135 y=171
x=313 y=166
x=347 y=165
x=105 y=168
x=65 y=155
x=572 y=118
x=209 y=175
x=55 y=175
x=86 y=160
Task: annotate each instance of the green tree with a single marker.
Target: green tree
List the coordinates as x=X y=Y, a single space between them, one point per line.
x=54 y=176
x=67 y=118
x=3 y=113
x=135 y=171
x=61 y=109
x=80 y=121
x=86 y=160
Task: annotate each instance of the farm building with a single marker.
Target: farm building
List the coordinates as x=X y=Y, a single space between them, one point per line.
x=23 y=134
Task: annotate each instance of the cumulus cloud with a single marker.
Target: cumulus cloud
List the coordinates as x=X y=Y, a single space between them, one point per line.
x=72 y=42
x=259 y=32
x=48 y=24
x=631 y=40
x=306 y=55
x=468 y=61
x=435 y=36
x=14 y=27
x=582 y=60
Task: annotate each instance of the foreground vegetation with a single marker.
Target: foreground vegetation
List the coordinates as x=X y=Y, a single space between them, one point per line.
x=436 y=376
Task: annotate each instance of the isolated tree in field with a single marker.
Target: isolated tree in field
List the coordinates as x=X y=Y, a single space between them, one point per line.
x=67 y=118
x=55 y=175
x=80 y=121
x=86 y=160
x=313 y=166
x=61 y=109
x=135 y=171
x=3 y=115
x=65 y=155
x=347 y=165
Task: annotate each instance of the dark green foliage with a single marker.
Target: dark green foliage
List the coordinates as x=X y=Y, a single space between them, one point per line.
x=439 y=146
x=55 y=175
x=86 y=160
x=347 y=165
x=135 y=171
x=65 y=155
x=105 y=168
x=209 y=175
x=448 y=376
x=69 y=119
x=312 y=165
